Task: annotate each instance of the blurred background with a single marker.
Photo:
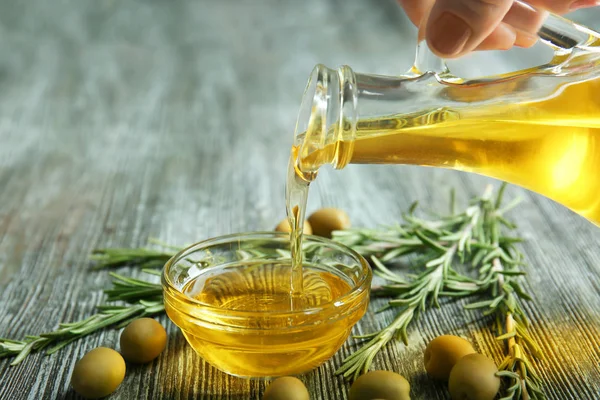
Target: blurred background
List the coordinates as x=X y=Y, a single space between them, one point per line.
x=90 y=87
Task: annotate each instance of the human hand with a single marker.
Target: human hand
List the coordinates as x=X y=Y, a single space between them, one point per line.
x=456 y=27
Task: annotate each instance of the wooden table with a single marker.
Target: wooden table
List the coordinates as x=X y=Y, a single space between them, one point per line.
x=121 y=121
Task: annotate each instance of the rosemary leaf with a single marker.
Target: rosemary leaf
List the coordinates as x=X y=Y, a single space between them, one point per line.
x=118 y=257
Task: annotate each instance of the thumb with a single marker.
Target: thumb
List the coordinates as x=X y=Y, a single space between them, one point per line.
x=456 y=27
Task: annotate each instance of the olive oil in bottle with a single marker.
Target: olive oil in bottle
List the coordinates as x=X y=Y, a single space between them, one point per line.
x=551 y=146
x=538 y=128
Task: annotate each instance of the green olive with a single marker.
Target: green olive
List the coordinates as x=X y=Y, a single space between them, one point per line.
x=443 y=352
x=286 y=388
x=98 y=373
x=385 y=385
x=143 y=340
x=284 y=226
x=474 y=378
x=327 y=220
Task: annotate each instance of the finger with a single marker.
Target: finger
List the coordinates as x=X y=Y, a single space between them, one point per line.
x=563 y=6
x=526 y=21
x=456 y=27
x=525 y=18
x=501 y=38
x=416 y=9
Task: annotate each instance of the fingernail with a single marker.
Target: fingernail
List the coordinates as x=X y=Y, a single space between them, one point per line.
x=583 y=4
x=525 y=39
x=449 y=34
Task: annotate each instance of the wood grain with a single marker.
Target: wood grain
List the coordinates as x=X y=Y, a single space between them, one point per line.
x=121 y=121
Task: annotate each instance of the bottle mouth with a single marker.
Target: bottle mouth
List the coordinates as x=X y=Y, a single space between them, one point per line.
x=326 y=123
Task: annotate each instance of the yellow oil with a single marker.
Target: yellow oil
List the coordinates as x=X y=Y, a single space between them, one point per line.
x=551 y=146
x=278 y=334
x=296 y=196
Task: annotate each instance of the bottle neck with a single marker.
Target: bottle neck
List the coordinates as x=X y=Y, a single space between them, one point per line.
x=326 y=125
x=340 y=106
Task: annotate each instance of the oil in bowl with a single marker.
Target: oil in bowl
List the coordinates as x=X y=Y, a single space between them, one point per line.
x=230 y=296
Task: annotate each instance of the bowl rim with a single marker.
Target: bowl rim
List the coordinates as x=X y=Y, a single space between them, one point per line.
x=362 y=285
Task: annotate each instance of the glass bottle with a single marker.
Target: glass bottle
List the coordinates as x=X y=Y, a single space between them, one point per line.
x=538 y=128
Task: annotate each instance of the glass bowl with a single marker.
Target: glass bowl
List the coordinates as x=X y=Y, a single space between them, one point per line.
x=230 y=298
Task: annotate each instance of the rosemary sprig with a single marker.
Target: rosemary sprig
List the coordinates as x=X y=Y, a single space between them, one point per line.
x=143 y=298
x=443 y=240
x=524 y=382
x=474 y=238
x=499 y=271
x=412 y=298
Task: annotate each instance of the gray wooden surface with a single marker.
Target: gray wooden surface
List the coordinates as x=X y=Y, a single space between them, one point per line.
x=123 y=120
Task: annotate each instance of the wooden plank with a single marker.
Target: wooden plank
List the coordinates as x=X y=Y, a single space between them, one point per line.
x=121 y=121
